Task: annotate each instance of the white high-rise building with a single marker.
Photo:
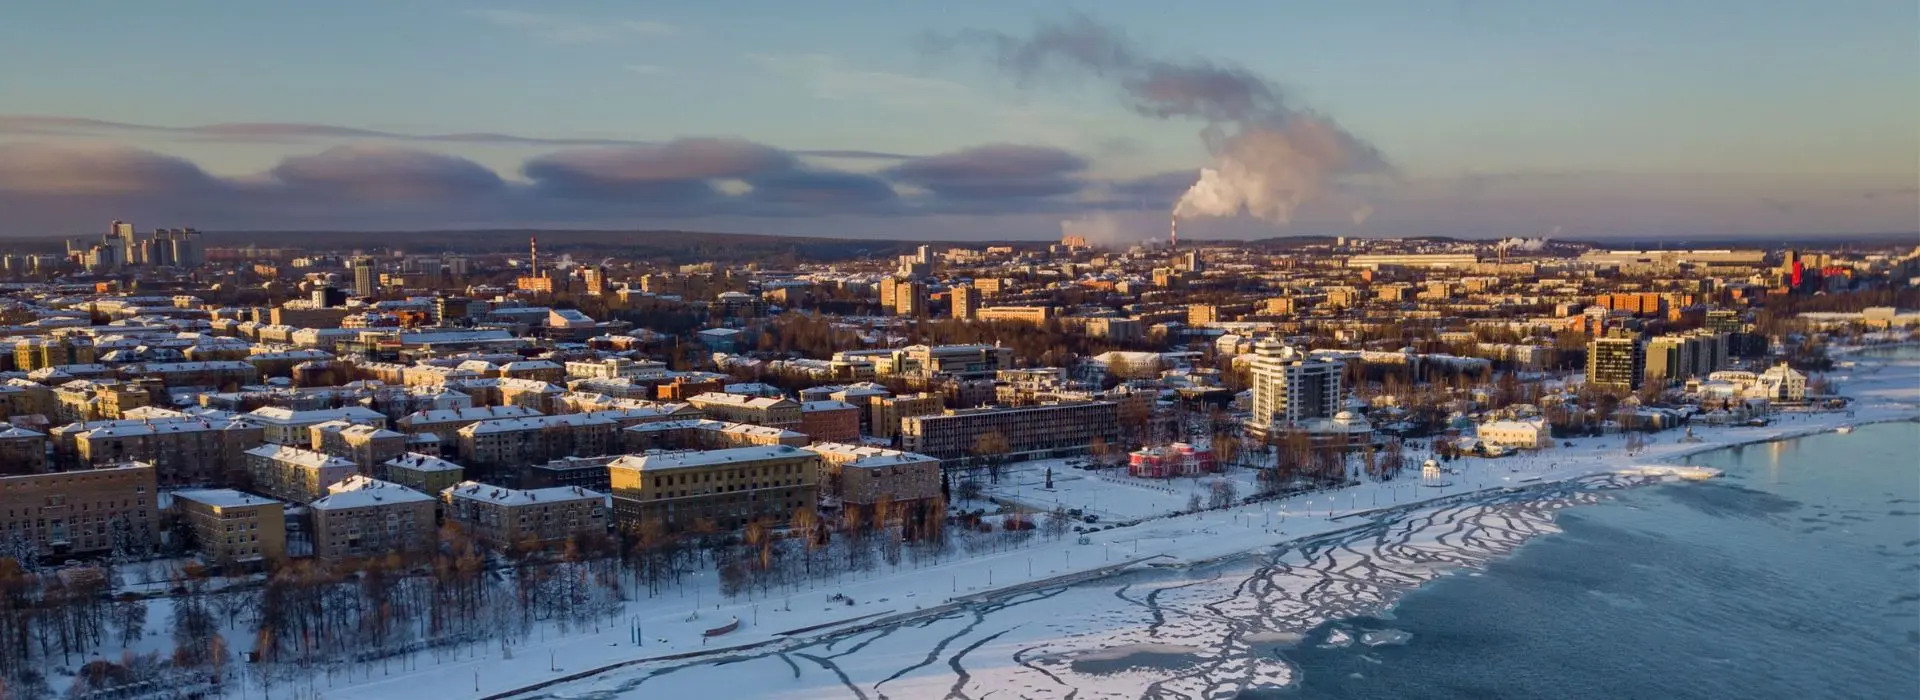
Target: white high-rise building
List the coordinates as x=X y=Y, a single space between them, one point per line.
x=1290 y=387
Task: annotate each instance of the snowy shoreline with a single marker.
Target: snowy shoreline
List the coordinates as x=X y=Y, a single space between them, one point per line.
x=1320 y=529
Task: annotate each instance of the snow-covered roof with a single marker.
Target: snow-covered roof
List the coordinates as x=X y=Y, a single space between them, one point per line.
x=704 y=458
x=474 y=490
x=443 y=415
x=868 y=456
x=421 y=462
x=307 y=459
x=360 y=492
x=222 y=498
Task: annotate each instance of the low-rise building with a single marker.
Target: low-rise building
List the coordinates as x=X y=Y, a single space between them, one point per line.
x=727 y=488
x=886 y=411
x=296 y=475
x=83 y=511
x=777 y=413
x=233 y=528
x=363 y=517
x=365 y=445
x=1531 y=434
x=285 y=426
x=422 y=472
x=864 y=475
x=22 y=451
x=830 y=421
x=505 y=518
x=447 y=422
x=183 y=452
x=1028 y=432
x=501 y=448
x=705 y=434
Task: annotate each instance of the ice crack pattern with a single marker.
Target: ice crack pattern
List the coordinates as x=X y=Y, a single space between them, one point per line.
x=1209 y=631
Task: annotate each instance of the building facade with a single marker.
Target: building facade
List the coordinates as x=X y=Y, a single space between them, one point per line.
x=84 y=511
x=363 y=517
x=1030 y=432
x=296 y=475
x=728 y=488
x=505 y=518
x=232 y=528
x=1290 y=387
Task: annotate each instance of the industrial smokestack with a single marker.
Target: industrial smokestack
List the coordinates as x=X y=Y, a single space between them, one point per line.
x=1173 y=233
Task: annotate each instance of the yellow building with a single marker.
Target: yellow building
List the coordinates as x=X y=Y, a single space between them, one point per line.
x=727 y=487
x=232 y=528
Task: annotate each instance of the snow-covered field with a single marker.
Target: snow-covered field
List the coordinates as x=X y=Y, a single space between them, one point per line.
x=1184 y=598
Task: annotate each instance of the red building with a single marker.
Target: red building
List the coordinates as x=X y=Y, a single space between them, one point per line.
x=830 y=421
x=1177 y=459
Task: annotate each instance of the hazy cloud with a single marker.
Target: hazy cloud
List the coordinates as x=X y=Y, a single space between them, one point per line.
x=383 y=173
x=92 y=170
x=557 y=29
x=998 y=171
x=287 y=132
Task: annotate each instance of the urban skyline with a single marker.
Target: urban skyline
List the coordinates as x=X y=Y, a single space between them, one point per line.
x=1473 y=119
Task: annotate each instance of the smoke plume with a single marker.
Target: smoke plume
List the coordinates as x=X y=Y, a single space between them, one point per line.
x=1529 y=245
x=1269 y=155
x=1101 y=230
x=1361 y=214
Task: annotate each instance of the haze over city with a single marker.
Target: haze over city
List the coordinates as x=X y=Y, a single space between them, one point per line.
x=988 y=120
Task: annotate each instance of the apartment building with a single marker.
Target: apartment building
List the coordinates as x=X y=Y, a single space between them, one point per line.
x=830 y=421
x=83 y=511
x=286 y=426
x=705 y=434
x=421 y=472
x=364 y=445
x=865 y=475
x=728 y=487
x=617 y=367
x=1290 y=387
x=446 y=423
x=886 y=411
x=22 y=451
x=585 y=472
x=295 y=475
x=183 y=452
x=232 y=528
x=965 y=299
x=1616 y=363
x=735 y=408
x=505 y=518
x=957 y=361
x=218 y=375
x=1036 y=315
x=97 y=399
x=22 y=397
x=364 y=517
x=1031 y=432
x=37 y=352
x=501 y=448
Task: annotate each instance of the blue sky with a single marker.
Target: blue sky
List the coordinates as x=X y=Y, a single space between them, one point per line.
x=1495 y=118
